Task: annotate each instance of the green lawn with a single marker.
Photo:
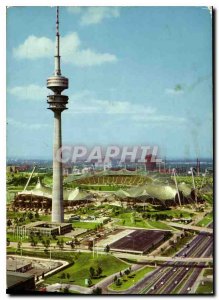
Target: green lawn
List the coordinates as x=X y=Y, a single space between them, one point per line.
x=60 y=255
x=127 y=220
x=207 y=288
x=80 y=270
x=175 y=213
x=13 y=238
x=173 y=249
x=208 y=272
x=127 y=282
x=206 y=220
x=12 y=215
x=85 y=225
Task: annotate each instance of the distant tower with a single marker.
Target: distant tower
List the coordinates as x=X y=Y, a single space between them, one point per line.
x=57 y=103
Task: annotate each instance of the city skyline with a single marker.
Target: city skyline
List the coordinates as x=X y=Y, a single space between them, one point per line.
x=140 y=75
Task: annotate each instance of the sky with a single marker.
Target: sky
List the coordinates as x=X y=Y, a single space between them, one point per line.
x=137 y=76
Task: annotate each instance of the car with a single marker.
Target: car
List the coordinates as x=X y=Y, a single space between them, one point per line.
x=187 y=269
x=162 y=282
x=189 y=289
x=176 y=282
x=174 y=270
x=69 y=243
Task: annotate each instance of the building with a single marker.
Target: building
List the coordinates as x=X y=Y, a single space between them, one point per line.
x=150 y=164
x=17 y=265
x=40 y=198
x=47 y=228
x=19 y=283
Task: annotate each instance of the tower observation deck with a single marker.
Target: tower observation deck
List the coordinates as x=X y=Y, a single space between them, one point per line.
x=57 y=103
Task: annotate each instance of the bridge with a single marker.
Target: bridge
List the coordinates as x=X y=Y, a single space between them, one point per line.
x=148 y=258
x=191 y=227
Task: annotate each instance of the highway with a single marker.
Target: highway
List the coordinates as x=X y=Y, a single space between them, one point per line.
x=176 y=279
x=173 y=278
x=170 y=281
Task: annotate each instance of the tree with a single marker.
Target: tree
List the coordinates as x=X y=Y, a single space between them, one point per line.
x=33 y=240
x=46 y=242
x=89 y=282
x=8 y=242
x=92 y=272
x=76 y=241
x=37 y=216
x=30 y=216
x=63 y=276
x=115 y=279
x=60 y=243
x=66 y=289
x=97 y=291
x=19 y=244
x=68 y=276
x=46 y=251
x=99 y=271
x=9 y=222
x=54 y=236
x=118 y=282
x=16 y=221
x=127 y=272
x=107 y=248
x=21 y=220
x=90 y=245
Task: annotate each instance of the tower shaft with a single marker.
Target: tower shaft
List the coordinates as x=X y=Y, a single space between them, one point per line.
x=57 y=103
x=57 y=192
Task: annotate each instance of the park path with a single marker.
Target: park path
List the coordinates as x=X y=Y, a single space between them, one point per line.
x=72 y=287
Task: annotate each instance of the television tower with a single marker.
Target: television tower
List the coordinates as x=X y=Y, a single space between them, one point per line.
x=57 y=103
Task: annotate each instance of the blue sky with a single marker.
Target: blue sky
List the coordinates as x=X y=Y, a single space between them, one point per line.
x=138 y=76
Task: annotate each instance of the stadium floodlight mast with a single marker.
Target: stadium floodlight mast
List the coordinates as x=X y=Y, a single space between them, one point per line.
x=193 y=182
x=174 y=176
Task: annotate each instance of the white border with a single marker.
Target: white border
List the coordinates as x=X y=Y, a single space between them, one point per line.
x=3 y=5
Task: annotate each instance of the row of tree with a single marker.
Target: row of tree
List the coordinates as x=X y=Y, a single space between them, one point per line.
x=118 y=279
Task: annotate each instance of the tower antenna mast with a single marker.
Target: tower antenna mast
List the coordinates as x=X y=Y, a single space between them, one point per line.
x=57 y=54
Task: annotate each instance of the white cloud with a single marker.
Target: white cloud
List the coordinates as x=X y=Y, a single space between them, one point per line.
x=160 y=119
x=29 y=92
x=22 y=125
x=95 y=15
x=86 y=102
x=71 y=51
x=34 y=47
x=174 y=92
x=74 y=10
